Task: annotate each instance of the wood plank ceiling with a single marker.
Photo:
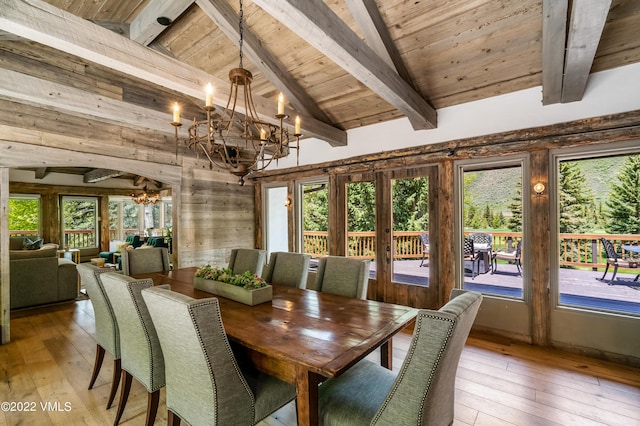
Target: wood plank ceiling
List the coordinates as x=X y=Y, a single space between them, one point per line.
x=395 y=58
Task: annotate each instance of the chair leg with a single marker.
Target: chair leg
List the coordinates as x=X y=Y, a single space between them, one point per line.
x=172 y=419
x=97 y=364
x=613 y=277
x=117 y=372
x=152 y=407
x=605 y=272
x=124 y=395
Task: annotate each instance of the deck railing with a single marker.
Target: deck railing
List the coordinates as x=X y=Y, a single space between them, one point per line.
x=575 y=249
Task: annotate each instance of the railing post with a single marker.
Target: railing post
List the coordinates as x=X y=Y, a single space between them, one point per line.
x=594 y=254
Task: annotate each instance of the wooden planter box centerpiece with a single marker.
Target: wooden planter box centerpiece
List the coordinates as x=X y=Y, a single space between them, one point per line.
x=243 y=288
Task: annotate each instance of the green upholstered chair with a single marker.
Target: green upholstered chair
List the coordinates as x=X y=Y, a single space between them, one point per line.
x=144 y=261
x=251 y=260
x=141 y=355
x=107 y=336
x=290 y=269
x=343 y=276
x=422 y=393
x=205 y=383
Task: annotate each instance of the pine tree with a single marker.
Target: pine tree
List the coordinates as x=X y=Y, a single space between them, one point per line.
x=514 y=223
x=574 y=199
x=624 y=202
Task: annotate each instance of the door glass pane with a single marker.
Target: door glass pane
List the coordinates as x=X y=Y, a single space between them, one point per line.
x=79 y=222
x=24 y=215
x=411 y=230
x=491 y=247
x=599 y=228
x=277 y=227
x=361 y=222
x=315 y=219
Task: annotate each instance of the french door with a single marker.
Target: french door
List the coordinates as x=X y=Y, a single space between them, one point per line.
x=491 y=236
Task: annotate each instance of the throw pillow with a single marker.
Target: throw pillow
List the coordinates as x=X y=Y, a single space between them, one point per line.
x=32 y=245
x=122 y=246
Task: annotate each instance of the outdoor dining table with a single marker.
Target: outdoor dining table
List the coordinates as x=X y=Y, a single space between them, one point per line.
x=633 y=249
x=302 y=336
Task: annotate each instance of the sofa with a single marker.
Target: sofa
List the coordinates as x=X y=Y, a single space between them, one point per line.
x=38 y=276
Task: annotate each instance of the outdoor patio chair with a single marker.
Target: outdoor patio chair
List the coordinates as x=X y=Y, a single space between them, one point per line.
x=511 y=256
x=613 y=259
x=469 y=254
x=482 y=244
x=424 y=239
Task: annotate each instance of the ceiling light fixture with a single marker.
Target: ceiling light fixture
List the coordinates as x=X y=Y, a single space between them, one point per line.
x=243 y=144
x=146 y=197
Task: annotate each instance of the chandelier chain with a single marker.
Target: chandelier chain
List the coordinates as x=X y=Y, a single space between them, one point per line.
x=240 y=28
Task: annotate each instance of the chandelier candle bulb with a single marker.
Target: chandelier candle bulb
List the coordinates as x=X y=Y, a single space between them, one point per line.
x=297 y=126
x=209 y=95
x=263 y=135
x=281 y=104
x=176 y=113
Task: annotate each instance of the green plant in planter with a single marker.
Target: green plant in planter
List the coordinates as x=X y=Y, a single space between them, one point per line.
x=246 y=280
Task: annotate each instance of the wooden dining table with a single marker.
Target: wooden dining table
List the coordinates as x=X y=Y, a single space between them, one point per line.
x=302 y=336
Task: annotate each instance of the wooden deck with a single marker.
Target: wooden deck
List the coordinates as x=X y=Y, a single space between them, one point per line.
x=577 y=287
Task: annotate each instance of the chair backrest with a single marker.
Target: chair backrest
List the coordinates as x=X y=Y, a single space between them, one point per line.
x=134 y=240
x=481 y=240
x=251 y=260
x=468 y=249
x=423 y=392
x=107 y=334
x=343 y=276
x=609 y=249
x=140 y=350
x=144 y=261
x=290 y=269
x=204 y=382
x=424 y=239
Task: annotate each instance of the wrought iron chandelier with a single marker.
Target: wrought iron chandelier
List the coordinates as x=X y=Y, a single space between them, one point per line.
x=146 y=197
x=242 y=144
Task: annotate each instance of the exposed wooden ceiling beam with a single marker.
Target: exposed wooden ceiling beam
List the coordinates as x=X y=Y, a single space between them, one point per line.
x=145 y=27
x=40 y=22
x=554 y=29
x=376 y=34
x=41 y=172
x=5 y=36
x=117 y=27
x=585 y=29
x=322 y=28
x=38 y=92
x=98 y=175
x=225 y=17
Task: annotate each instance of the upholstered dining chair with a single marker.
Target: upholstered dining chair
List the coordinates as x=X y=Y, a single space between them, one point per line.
x=423 y=391
x=107 y=336
x=343 y=276
x=205 y=383
x=290 y=269
x=251 y=260
x=144 y=261
x=141 y=355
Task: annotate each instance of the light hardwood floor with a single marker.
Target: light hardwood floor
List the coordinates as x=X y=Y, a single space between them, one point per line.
x=499 y=382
